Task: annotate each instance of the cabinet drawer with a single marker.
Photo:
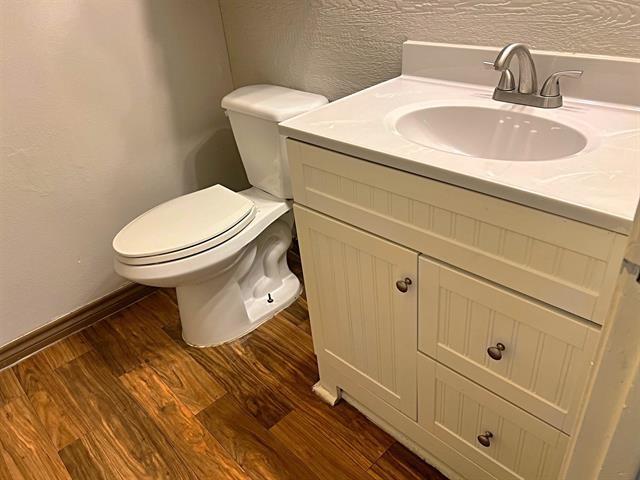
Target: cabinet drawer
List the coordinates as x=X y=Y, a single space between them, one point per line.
x=562 y=262
x=547 y=355
x=458 y=411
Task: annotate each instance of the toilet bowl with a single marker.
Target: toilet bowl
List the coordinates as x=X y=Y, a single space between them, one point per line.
x=225 y=252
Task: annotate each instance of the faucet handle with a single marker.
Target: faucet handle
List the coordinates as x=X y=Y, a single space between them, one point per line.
x=507 y=81
x=551 y=86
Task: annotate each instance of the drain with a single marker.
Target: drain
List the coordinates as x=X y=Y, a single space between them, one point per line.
x=269 y=299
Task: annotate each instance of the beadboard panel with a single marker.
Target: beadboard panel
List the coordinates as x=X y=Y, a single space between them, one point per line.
x=559 y=261
x=457 y=411
x=547 y=358
x=361 y=323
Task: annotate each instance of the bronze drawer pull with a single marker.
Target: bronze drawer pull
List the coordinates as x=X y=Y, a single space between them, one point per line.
x=496 y=352
x=403 y=285
x=485 y=439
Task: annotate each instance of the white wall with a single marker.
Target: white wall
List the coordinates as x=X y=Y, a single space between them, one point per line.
x=106 y=108
x=335 y=47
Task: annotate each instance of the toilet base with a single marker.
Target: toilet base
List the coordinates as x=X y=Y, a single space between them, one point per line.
x=262 y=314
x=256 y=286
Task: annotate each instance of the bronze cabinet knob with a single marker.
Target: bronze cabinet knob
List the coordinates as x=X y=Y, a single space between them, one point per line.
x=403 y=285
x=485 y=439
x=496 y=352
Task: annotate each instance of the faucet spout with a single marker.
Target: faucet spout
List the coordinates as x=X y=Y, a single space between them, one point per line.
x=528 y=80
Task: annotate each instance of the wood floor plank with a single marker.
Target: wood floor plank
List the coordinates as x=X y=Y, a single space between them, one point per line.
x=161 y=309
x=10 y=388
x=327 y=458
x=256 y=449
x=114 y=350
x=52 y=402
x=288 y=358
x=81 y=465
x=195 y=387
x=298 y=314
x=257 y=394
x=122 y=435
x=65 y=350
x=26 y=449
x=171 y=293
x=197 y=447
x=398 y=463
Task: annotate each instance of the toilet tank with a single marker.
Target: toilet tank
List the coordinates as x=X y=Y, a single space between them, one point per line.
x=255 y=112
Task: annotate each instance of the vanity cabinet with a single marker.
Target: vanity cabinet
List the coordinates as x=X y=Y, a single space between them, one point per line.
x=475 y=318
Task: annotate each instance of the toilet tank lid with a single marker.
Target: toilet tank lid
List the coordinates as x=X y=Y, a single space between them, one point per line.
x=271 y=102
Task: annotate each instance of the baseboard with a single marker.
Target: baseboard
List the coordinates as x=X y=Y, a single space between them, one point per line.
x=71 y=323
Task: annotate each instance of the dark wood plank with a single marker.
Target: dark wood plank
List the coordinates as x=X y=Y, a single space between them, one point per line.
x=52 y=402
x=25 y=449
x=298 y=314
x=195 y=387
x=161 y=309
x=169 y=292
x=398 y=463
x=114 y=350
x=287 y=356
x=327 y=458
x=10 y=388
x=258 y=394
x=199 y=450
x=255 y=449
x=81 y=465
x=65 y=350
x=122 y=436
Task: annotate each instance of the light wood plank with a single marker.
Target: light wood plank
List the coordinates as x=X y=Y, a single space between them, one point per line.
x=65 y=350
x=186 y=378
x=10 y=388
x=122 y=436
x=26 y=449
x=199 y=450
x=52 y=402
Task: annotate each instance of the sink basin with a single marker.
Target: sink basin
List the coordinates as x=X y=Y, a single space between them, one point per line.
x=490 y=133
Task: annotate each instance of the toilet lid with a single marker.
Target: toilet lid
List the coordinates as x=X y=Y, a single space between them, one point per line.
x=198 y=218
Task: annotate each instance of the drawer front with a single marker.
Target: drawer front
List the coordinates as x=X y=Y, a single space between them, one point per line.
x=363 y=325
x=458 y=411
x=562 y=262
x=544 y=356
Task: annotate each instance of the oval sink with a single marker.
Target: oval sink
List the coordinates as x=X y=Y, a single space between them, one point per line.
x=490 y=133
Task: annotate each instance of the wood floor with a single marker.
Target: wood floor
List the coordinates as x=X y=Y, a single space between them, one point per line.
x=128 y=399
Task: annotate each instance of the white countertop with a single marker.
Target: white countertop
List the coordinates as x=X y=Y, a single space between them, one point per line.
x=599 y=185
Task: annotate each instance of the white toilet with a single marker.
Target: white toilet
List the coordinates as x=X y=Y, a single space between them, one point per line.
x=225 y=252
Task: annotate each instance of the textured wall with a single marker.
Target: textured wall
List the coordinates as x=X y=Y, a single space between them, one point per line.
x=106 y=109
x=336 y=47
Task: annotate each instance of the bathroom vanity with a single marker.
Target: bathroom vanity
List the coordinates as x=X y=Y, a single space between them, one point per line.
x=458 y=283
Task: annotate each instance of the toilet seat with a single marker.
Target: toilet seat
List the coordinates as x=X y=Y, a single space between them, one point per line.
x=184 y=226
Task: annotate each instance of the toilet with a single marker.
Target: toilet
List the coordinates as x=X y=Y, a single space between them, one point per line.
x=225 y=252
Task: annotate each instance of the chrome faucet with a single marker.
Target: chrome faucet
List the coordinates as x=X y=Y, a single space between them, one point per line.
x=527 y=91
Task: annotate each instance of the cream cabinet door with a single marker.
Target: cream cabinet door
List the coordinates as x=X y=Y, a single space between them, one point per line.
x=364 y=325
